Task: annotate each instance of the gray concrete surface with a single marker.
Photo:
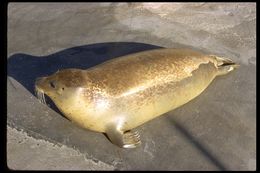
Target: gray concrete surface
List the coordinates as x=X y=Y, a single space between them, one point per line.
x=215 y=131
x=36 y=154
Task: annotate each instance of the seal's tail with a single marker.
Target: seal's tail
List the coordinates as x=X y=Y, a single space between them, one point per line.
x=225 y=65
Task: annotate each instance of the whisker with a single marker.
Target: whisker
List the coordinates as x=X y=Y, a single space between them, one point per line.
x=40 y=95
x=44 y=101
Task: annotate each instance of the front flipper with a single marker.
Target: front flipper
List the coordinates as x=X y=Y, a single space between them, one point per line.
x=123 y=139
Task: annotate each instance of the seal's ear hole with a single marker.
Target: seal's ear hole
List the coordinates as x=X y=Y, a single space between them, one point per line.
x=52 y=84
x=62 y=88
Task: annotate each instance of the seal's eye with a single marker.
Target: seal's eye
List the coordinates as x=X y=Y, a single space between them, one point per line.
x=52 y=84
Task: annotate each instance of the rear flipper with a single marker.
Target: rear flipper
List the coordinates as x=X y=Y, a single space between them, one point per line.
x=225 y=65
x=123 y=139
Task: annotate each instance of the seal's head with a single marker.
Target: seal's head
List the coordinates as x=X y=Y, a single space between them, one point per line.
x=58 y=84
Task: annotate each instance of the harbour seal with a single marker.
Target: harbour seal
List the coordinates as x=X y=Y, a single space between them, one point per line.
x=121 y=94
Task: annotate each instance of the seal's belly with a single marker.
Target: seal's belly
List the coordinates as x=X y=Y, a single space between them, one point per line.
x=157 y=100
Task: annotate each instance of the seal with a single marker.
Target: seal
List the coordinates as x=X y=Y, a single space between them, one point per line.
x=121 y=94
